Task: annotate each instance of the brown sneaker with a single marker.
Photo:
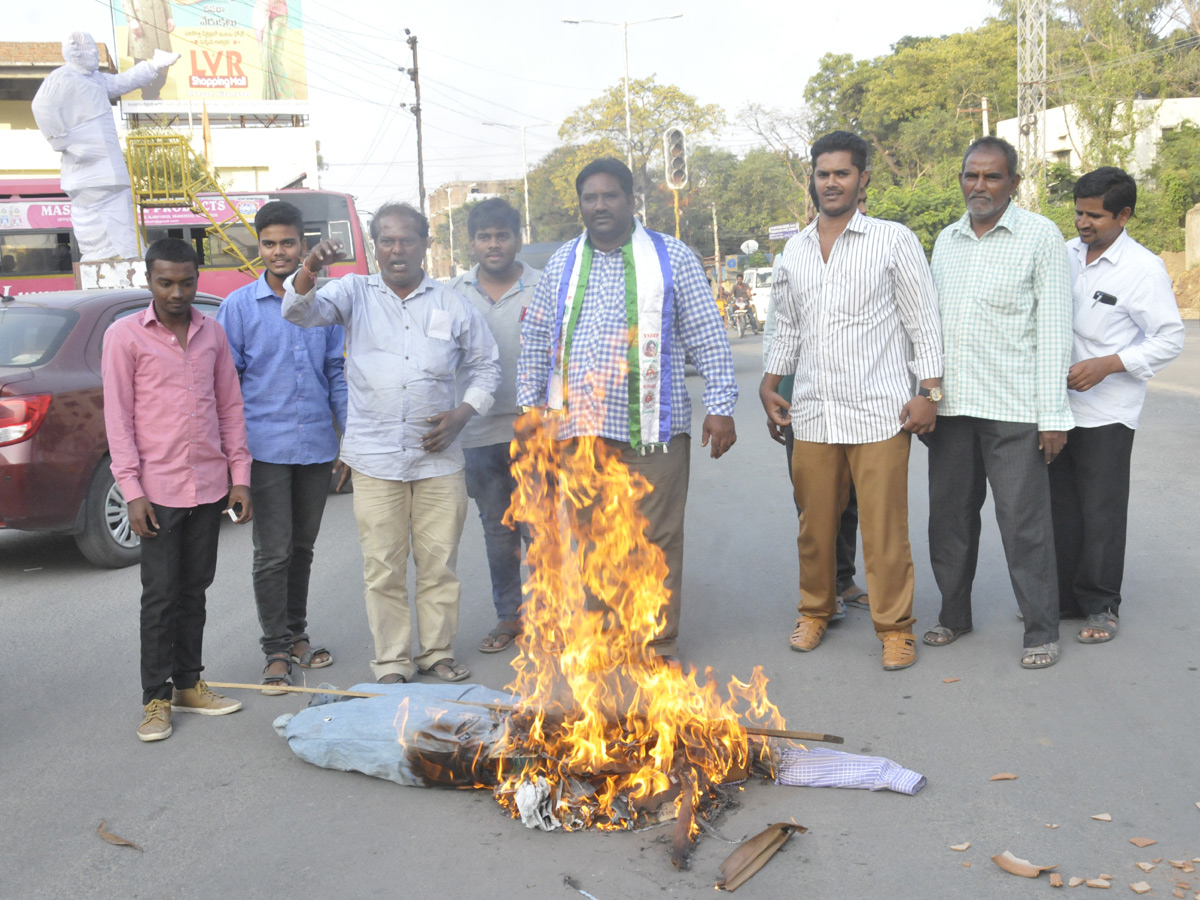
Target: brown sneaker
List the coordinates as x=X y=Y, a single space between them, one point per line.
x=899 y=649
x=156 y=723
x=808 y=633
x=203 y=701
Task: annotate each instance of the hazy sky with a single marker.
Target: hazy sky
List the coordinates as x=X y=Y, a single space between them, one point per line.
x=525 y=66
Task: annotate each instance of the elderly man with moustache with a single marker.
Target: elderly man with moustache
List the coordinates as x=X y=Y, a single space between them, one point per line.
x=407 y=336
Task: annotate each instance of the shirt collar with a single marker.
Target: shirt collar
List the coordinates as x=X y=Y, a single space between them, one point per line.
x=264 y=291
x=427 y=284
x=195 y=320
x=527 y=278
x=1112 y=254
x=1009 y=221
x=858 y=223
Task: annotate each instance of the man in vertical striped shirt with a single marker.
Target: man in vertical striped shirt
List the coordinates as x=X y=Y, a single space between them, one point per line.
x=858 y=319
x=1005 y=296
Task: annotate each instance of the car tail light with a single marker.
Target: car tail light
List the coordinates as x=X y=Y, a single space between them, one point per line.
x=21 y=416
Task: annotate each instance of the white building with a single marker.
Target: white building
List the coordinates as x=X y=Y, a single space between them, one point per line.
x=1066 y=136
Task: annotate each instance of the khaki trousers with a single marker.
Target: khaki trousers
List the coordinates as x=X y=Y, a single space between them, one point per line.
x=427 y=516
x=821 y=475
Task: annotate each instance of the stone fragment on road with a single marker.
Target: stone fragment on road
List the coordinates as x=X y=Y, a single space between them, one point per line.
x=1003 y=776
x=963 y=846
x=1140 y=887
x=1142 y=842
x=1102 y=817
x=1017 y=866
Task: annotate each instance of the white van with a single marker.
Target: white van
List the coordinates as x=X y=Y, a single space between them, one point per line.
x=759 y=282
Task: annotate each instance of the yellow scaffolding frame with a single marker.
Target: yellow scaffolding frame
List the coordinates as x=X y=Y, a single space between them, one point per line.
x=159 y=172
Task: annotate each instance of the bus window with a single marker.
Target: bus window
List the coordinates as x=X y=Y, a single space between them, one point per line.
x=35 y=253
x=218 y=251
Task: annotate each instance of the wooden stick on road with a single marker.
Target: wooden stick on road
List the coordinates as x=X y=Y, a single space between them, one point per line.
x=503 y=707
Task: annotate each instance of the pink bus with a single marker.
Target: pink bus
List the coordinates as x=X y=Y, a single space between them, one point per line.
x=37 y=247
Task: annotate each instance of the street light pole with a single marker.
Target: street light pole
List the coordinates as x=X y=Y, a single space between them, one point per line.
x=625 y=35
x=524 y=172
x=450 y=219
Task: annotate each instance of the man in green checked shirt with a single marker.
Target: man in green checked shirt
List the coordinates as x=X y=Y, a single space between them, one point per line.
x=1005 y=296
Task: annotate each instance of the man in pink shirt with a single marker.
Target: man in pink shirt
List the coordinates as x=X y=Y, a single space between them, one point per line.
x=176 y=435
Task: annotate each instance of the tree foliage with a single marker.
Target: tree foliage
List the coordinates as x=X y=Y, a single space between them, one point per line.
x=654 y=108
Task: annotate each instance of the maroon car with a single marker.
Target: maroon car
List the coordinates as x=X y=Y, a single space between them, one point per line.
x=54 y=464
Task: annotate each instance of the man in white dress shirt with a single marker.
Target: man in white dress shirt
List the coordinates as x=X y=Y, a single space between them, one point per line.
x=1127 y=328
x=857 y=318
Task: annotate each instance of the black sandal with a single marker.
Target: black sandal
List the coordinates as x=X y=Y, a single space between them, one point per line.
x=284 y=657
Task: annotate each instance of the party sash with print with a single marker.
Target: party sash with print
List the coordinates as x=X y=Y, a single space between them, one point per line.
x=649 y=312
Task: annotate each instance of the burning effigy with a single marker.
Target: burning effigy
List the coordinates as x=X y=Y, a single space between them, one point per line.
x=615 y=731
x=595 y=729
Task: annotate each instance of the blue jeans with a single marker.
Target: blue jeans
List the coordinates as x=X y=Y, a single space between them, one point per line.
x=490 y=484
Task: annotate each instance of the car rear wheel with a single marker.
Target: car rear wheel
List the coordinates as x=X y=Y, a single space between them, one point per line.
x=107 y=539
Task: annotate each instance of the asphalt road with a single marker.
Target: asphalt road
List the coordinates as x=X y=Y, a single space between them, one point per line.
x=224 y=809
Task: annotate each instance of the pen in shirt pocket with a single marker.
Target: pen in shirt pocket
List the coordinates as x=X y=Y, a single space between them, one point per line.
x=1105 y=297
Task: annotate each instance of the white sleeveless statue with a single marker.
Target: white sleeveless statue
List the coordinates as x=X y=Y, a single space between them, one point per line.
x=73 y=109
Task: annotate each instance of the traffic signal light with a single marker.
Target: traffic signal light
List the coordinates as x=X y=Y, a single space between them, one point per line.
x=676 y=157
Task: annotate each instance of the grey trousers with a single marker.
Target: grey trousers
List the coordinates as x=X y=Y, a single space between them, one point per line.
x=967 y=454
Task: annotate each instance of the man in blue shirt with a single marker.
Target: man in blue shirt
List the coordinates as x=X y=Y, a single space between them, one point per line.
x=293 y=388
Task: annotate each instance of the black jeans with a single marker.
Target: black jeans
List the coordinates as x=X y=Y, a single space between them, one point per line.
x=289 y=501
x=1089 y=498
x=178 y=565
x=847 y=536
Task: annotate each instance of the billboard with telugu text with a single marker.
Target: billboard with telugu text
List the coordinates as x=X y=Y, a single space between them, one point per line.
x=236 y=56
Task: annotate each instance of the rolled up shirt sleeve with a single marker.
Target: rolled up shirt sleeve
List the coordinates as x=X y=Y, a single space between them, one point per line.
x=1156 y=313
x=328 y=305
x=481 y=360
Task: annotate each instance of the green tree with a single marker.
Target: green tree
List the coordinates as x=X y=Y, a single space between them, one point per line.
x=554 y=206
x=654 y=108
x=1105 y=56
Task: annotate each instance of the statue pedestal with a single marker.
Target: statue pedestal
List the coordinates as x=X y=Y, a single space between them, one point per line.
x=111 y=274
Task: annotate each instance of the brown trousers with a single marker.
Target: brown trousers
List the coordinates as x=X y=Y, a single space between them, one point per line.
x=821 y=475
x=668 y=473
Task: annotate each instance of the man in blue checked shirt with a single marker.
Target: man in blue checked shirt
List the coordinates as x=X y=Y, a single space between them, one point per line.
x=293 y=388
x=577 y=355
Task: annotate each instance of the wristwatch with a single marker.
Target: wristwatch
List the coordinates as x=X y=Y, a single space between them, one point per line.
x=933 y=395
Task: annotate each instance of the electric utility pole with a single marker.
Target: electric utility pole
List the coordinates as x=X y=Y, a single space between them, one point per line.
x=415 y=108
x=1031 y=98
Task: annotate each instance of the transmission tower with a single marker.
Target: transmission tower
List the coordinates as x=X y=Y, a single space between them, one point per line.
x=1031 y=98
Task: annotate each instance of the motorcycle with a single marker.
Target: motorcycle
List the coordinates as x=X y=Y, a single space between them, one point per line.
x=742 y=318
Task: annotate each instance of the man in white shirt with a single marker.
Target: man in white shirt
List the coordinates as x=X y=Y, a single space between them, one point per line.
x=1127 y=328
x=858 y=318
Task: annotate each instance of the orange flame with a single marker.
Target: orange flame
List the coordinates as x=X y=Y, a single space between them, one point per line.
x=597 y=705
